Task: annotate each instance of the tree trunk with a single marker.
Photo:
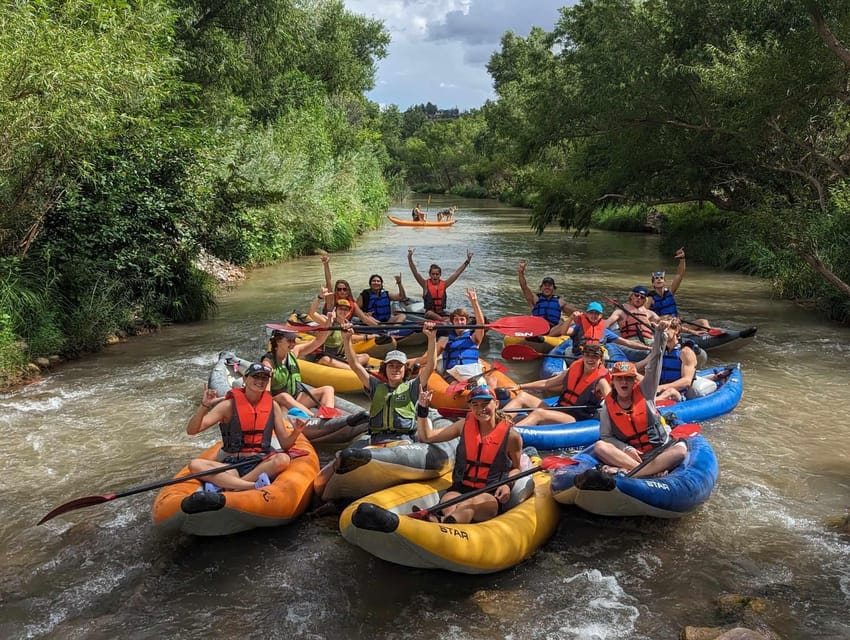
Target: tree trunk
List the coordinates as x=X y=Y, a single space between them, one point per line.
x=817 y=264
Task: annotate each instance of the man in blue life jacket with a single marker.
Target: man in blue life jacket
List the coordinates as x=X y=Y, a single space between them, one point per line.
x=662 y=297
x=545 y=304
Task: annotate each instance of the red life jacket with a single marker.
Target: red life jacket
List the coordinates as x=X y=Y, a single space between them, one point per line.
x=578 y=386
x=479 y=462
x=631 y=425
x=591 y=333
x=435 y=297
x=250 y=428
x=631 y=328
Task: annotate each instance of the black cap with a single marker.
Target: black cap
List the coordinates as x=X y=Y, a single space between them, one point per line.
x=256 y=368
x=548 y=281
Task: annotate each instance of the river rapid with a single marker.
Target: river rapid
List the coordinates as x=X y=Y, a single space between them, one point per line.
x=117 y=419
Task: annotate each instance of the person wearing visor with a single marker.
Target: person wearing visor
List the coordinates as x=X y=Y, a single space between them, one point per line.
x=285 y=384
x=588 y=328
x=434 y=288
x=248 y=417
x=489 y=451
x=545 y=304
x=662 y=297
x=582 y=385
x=629 y=424
x=634 y=319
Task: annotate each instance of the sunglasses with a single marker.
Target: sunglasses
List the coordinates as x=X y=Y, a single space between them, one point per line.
x=658 y=275
x=260 y=376
x=639 y=295
x=342 y=288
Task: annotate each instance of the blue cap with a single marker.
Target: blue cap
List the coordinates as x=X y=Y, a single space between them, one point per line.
x=640 y=289
x=256 y=368
x=595 y=306
x=481 y=392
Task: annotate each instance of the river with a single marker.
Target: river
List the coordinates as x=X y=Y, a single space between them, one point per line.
x=117 y=419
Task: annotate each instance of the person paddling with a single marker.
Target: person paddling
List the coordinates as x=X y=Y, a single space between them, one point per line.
x=489 y=451
x=434 y=288
x=545 y=304
x=248 y=418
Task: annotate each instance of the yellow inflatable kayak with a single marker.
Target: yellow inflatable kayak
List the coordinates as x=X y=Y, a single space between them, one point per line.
x=378 y=524
x=543 y=344
x=342 y=380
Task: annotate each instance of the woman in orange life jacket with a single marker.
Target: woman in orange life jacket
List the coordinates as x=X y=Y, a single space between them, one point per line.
x=588 y=327
x=629 y=425
x=489 y=451
x=248 y=417
x=585 y=382
x=545 y=304
x=634 y=317
x=434 y=289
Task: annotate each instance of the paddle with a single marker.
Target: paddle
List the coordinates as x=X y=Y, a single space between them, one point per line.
x=524 y=352
x=547 y=408
x=711 y=330
x=680 y=432
x=90 y=501
x=423 y=514
x=636 y=318
x=517 y=326
x=324 y=411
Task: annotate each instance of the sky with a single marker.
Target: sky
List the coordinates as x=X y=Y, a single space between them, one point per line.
x=440 y=48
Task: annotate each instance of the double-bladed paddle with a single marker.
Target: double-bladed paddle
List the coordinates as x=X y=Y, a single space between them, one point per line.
x=517 y=326
x=679 y=433
x=90 y=501
x=524 y=352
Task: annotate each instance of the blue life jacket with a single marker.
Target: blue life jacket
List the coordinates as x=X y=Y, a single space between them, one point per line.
x=548 y=308
x=671 y=364
x=665 y=304
x=378 y=304
x=460 y=349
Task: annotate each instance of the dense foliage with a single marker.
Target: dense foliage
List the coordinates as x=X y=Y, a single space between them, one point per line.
x=742 y=105
x=137 y=133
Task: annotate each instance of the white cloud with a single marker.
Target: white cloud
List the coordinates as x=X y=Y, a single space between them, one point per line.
x=440 y=48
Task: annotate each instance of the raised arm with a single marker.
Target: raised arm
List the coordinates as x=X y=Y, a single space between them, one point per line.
x=430 y=362
x=652 y=368
x=425 y=430
x=319 y=337
x=402 y=295
x=680 y=271
x=460 y=269
x=209 y=412
x=478 y=334
x=351 y=357
x=326 y=266
x=527 y=293
x=313 y=312
x=416 y=274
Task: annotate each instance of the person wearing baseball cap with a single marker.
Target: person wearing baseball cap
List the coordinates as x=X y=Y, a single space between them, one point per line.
x=248 y=418
x=633 y=318
x=581 y=386
x=661 y=298
x=489 y=451
x=629 y=425
x=589 y=328
x=545 y=304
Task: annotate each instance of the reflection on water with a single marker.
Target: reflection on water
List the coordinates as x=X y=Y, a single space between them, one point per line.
x=117 y=419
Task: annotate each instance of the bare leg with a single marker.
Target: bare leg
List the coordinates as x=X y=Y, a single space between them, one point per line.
x=543 y=416
x=478 y=509
x=286 y=401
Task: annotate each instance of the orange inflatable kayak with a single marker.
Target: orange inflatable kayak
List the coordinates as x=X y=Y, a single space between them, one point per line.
x=421 y=223
x=445 y=396
x=181 y=507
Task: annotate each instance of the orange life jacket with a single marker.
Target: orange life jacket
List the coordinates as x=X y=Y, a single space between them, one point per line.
x=591 y=333
x=250 y=428
x=435 y=297
x=631 y=328
x=481 y=461
x=631 y=425
x=579 y=388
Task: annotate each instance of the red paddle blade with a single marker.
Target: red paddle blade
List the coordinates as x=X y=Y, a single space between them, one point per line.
x=293 y=453
x=456 y=387
x=498 y=366
x=686 y=430
x=329 y=412
x=556 y=462
x=521 y=326
x=79 y=503
x=716 y=332
x=520 y=352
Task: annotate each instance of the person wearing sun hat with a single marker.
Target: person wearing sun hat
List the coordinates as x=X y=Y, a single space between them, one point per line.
x=629 y=425
x=489 y=451
x=634 y=319
x=546 y=304
x=248 y=418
